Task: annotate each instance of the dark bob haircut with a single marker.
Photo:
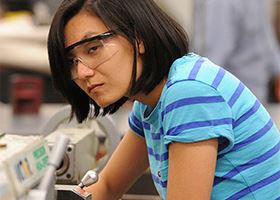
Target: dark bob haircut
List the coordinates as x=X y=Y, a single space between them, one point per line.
x=163 y=38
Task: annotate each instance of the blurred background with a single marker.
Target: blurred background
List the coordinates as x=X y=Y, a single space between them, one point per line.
x=242 y=36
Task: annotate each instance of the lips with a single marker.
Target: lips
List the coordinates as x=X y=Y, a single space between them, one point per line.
x=93 y=87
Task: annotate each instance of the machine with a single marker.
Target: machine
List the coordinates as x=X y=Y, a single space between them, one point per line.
x=28 y=163
x=86 y=140
x=22 y=163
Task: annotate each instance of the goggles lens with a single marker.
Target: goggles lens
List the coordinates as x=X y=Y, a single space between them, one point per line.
x=91 y=52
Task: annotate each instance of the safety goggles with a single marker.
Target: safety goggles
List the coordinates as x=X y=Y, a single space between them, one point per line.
x=91 y=52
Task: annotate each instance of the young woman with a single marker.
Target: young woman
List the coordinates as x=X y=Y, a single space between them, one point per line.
x=199 y=129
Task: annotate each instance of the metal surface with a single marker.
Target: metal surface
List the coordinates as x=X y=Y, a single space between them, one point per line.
x=89 y=178
x=104 y=125
x=46 y=188
x=23 y=162
x=67 y=192
x=55 y=159
x=83 y=141
x=140 y=197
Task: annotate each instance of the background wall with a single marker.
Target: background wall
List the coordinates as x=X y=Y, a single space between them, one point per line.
x=180 y=10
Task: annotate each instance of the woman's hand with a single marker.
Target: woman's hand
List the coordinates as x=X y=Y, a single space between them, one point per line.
x=80 y=191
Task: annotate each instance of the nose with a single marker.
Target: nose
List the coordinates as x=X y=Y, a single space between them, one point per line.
x=83 y=71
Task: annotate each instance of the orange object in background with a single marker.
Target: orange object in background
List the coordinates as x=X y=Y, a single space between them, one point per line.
x=26 y=94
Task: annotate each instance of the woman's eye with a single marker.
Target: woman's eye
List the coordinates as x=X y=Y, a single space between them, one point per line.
x=72 y=62
x=93 y=49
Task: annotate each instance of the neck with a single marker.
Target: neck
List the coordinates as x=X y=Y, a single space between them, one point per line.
x=153 y=97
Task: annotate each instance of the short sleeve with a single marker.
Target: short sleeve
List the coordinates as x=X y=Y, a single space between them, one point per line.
x=193 y=111
x=134 y=119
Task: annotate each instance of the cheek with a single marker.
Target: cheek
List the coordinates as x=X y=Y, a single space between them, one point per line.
x=122 y=69
x=120 y=80
x=122 y=76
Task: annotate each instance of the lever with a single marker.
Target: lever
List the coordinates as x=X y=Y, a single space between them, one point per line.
x=89 y=178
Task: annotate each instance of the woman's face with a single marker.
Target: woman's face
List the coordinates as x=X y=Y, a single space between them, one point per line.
x=103 y=68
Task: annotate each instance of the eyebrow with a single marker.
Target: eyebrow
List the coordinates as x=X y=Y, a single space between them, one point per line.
x=87 y=39
x=90 y=34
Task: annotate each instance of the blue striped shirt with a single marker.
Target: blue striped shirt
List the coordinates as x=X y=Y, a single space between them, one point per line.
x=200 y=101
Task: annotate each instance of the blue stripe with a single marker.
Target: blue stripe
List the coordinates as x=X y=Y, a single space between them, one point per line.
x=158 y=181
x=236 y=94
x=196 y=69
x=136 y=121
x=159 y=157
x=248 y=114
x=216 y=122
x=277 y=198
x=146 y=126
x=157 y=136
x=135 y=129
x=191 y=101
x=256 y=186
x=169 y=83
x=252 y=138
x=219 y=77
x=251 y=163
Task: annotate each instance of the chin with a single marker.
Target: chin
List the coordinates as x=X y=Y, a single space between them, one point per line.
x=103 y=103
x=105 y=100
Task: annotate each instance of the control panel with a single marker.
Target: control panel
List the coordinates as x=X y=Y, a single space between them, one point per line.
x=23 y=160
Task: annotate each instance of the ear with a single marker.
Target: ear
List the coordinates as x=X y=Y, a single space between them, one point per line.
x=141 y=47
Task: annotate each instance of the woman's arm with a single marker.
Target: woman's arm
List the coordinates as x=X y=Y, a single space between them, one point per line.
x=191 y=170
x=127 y=163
